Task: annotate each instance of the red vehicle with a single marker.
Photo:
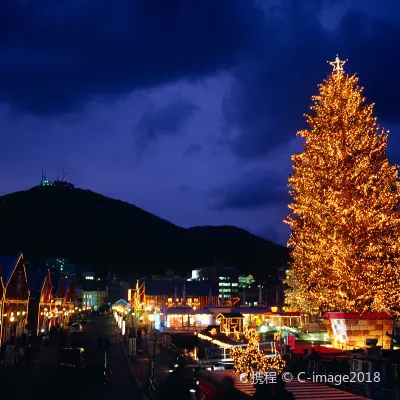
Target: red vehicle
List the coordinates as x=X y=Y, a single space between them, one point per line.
x=210 y=382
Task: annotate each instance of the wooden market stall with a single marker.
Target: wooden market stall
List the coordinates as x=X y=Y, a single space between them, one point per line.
x=230 y=323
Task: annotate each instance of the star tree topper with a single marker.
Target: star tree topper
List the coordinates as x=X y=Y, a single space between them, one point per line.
x=337 y=64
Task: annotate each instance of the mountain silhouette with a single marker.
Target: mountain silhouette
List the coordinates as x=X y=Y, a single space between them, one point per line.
x=104 y=233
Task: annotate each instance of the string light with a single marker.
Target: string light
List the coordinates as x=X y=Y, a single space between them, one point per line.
x=214 y=341
x=245 y=360
x=345 y=216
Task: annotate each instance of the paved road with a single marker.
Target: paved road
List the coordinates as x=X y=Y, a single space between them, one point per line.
x=42 y=379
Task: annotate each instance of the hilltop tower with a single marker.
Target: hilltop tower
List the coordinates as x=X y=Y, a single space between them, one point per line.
x=45 y=181
x=63 y=182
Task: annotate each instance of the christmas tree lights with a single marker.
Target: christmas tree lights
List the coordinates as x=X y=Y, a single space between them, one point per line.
x=247 y=359
x=345 y=216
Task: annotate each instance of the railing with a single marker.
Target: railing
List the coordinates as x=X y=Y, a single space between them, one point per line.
x=185 y=328
x=316 y=367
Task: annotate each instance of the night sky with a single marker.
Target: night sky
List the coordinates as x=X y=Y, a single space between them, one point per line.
x=185 y=108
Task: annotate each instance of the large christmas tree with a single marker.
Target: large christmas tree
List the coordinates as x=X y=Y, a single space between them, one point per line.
x=345 y=216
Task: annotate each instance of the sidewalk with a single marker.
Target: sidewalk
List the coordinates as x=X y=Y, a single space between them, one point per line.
x=140 y=364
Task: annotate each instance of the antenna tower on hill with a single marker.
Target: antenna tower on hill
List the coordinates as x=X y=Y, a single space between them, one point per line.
x=64 y=176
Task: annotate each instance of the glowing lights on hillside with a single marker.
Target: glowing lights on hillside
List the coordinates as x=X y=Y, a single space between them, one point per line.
x=215 y=341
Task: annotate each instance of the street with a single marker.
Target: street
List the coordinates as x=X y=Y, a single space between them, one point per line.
x=42 y=378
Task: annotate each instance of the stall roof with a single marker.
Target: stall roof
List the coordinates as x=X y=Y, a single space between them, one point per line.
x=122 y=303
x=231 y=315
x=7 y=266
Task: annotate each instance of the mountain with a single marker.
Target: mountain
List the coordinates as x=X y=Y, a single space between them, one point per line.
x=95 y=230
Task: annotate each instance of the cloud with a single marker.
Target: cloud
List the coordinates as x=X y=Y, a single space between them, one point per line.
x=192 y=149
x=371 y=45
x=167 y=120
x=254 y=190
x=54 y=56
x=265 y=105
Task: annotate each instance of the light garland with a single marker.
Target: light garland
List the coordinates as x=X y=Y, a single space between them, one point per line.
x=247 y=359
x=215 y=341
x=345 y=217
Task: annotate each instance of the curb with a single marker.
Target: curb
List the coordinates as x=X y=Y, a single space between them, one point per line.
x=138 y=384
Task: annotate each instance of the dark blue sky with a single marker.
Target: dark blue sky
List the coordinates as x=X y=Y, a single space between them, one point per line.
x=186 y=108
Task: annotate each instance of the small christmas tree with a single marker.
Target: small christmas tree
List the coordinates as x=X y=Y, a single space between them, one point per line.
x=251 y=358
x=345 y=216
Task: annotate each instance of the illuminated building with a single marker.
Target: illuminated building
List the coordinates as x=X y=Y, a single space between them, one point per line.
x=94 y=294
x=182 y=319
x=245 y=281
x=65 y=300
x=156 y=293
x=2 y=293
x=186 y=306
x=122 y=313
x=40 y=310
x=229 y=280
x=16 y=297
x=230 y=323
x=181 y=304
x=350 y=331
x=61 y=266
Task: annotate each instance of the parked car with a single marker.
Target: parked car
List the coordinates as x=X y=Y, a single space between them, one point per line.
x=76 y=327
